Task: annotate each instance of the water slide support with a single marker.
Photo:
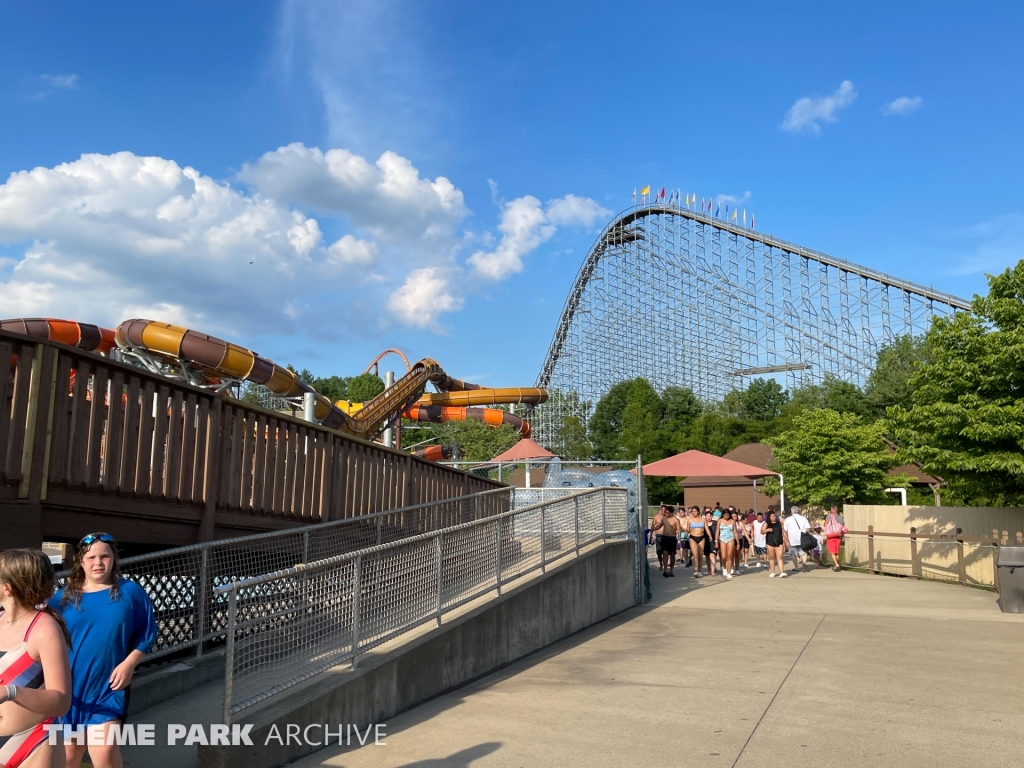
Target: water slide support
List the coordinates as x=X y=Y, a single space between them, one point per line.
x=389 y=433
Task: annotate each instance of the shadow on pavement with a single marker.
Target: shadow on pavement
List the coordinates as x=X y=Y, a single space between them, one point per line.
x=461 y=759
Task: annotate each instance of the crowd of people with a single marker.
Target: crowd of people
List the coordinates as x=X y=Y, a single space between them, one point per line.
x=67 y=656
x=717 y=541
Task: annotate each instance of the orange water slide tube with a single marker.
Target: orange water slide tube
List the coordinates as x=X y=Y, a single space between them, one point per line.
x=84 y=336
x=434 y=452
x=438 y=414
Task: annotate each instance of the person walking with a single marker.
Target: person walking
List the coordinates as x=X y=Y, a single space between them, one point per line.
x=698 y=539
x=775 y=541
x=727 y=536
x=711 y=542
x=655 y=527
x=35 y=678
x=760 y=546
x=834 y=528
x=112 y=629
x=668 y=537
x=795 y=526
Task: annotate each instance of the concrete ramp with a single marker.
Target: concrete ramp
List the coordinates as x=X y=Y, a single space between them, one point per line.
x=542 y=610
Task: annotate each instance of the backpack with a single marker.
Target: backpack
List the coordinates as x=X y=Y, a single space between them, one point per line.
x=807 y=542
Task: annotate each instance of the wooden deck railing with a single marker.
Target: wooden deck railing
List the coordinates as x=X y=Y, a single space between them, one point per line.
x=82 y=431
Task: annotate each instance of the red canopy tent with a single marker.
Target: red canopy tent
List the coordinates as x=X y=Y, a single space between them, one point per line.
x=700 y=464
x=525 y=449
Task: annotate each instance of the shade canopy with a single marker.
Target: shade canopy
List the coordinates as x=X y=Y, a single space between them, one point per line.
x=524 y=450
x=700 y=464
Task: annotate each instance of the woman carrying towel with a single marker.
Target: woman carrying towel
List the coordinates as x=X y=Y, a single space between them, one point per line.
x=35 y=682
x=112 y=629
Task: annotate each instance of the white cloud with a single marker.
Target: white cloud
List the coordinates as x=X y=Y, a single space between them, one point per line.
x=732 y=200
x=366 y=60
x=349 y=250
x=388 y=197
x=904 y=105
x=116 y=234
x=107 y=237
x=525 y=224
x=60 y=81
x=425 y=294
x=808 y=111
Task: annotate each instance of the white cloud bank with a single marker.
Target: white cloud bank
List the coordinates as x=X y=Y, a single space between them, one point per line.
x=904 y=105
x=808 y=112
x=107 y=237
x=525 y=224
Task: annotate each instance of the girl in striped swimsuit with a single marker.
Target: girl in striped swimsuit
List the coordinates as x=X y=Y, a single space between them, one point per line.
x=35 y=678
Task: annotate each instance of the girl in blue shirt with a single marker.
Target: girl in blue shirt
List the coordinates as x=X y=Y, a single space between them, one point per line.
x=112 y=629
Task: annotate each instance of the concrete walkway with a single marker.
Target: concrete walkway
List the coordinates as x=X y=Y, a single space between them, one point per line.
x=818 y=669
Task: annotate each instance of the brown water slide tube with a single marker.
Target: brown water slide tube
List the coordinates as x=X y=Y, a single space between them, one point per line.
x=438 y=414
x=84 y=336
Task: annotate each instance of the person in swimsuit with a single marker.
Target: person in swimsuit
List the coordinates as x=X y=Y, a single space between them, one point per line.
x=711 y=542
x=112 y=629
x=747 y=524
x=655 y=526
x=698 y=535
x=35 y=679
x=727 y=542
x=775 y=539
x=668 y=536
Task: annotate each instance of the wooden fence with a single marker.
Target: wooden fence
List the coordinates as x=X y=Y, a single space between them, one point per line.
x=84 y=435
x=945 y=543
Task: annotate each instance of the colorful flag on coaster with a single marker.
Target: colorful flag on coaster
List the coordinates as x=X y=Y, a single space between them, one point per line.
x=751 y=221
x=744 y=217
x=634 y=194
x=645 y=191
x=735 y=211
x=663 y=193
x=718 y=210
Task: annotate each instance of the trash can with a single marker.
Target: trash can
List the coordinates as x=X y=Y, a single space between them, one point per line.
x=1010 y=578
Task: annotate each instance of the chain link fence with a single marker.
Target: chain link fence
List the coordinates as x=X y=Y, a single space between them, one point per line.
x=286 y=627
x=184 y=583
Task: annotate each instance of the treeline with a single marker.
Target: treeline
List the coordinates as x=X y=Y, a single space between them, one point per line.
x=950 y=400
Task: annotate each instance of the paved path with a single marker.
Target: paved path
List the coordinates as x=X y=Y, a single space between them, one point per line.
x=819 y=669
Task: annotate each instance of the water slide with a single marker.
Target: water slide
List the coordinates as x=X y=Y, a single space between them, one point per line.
x=205 y=360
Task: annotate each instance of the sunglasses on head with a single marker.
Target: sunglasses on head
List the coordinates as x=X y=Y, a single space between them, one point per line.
x=106 y=538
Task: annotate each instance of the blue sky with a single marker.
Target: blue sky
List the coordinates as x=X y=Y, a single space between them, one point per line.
x=430 y=175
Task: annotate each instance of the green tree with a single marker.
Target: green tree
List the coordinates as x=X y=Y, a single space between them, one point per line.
x=680 y=407
x=717 y=432
x=763 y=400
x=830 y=457
x=476 y=441
x=641 y=420
x=833 y=393
x=889 y=382
x=365 y=386
x=605 y=425
x=966 y=418
x=566 y=412
x=575 y=443
x=333 y=387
